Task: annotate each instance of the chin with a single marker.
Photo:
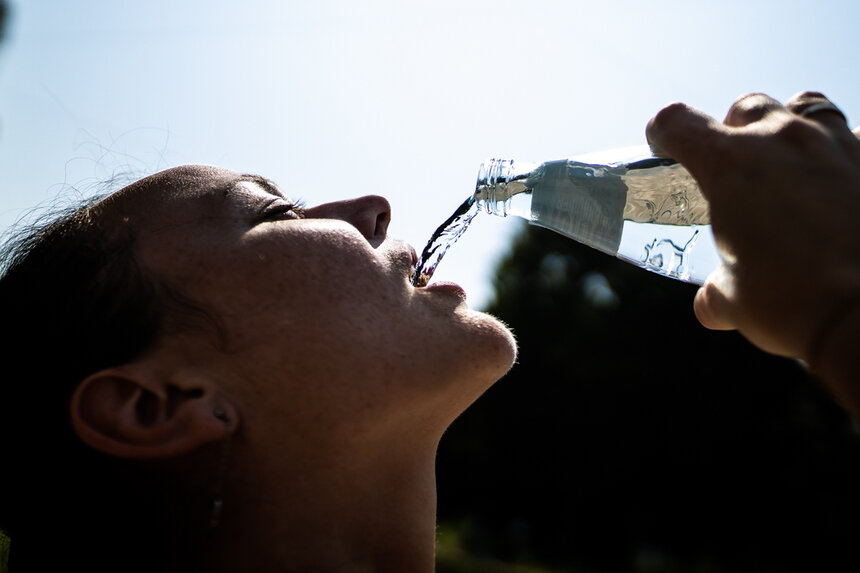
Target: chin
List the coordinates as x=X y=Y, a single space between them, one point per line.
x=496 y=347
x=478 y=347
x=478 y=352
x=493 y=352
x=508 y=344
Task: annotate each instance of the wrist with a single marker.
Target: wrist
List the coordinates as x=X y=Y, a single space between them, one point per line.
x=835 y=355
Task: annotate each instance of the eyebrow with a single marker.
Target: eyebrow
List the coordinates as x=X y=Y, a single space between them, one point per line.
x=267 y=184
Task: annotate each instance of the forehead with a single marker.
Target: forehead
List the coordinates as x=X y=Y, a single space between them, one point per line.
x=180 y=193
x=174 y=185
x=186 y=223
x=183 y=211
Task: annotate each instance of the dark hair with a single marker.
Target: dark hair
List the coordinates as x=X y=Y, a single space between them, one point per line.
x=73 y=300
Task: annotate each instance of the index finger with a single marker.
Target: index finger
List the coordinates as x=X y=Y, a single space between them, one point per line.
x=684 y=134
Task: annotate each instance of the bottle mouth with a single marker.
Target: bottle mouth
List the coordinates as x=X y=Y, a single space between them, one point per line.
x=492 y=172
x=498 y=181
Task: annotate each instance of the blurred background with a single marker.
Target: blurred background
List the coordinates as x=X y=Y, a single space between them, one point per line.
x=627 y=438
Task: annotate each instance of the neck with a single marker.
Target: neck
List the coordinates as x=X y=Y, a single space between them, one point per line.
x=350 y=512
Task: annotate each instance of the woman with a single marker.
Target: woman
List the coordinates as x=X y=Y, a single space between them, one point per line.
x=252 y=385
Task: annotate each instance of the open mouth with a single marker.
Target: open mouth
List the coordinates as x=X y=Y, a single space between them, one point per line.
x=418 y=280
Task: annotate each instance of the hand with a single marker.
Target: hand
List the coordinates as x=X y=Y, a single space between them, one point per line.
x=783 y=184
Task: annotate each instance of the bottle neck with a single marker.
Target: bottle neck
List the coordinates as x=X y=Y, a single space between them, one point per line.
x=498 y=181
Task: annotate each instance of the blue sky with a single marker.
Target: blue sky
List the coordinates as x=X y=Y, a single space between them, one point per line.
x=334 y=99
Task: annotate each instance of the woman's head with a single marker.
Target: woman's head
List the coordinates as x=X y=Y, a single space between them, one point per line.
x=315 y=308
x=201 y=289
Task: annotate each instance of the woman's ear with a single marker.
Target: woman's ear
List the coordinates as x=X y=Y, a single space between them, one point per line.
x=137 y=412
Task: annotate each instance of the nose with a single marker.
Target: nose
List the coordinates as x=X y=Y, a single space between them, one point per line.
x=369 y=214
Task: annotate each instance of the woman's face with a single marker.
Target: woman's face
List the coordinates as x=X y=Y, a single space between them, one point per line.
x=322 y=323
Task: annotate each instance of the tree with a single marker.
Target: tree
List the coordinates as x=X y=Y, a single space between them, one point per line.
x=629 y=438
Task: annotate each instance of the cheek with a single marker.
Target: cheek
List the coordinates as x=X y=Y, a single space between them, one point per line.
x=326 y=286
x=327 y=252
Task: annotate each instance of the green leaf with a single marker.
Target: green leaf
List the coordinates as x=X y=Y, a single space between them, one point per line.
x=5 y=542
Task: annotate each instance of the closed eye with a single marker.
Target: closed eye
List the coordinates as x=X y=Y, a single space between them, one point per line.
x=282 y=209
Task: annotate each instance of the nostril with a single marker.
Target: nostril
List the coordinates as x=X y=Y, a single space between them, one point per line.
x=378 y=210
x=382 y=221
x=370 y=214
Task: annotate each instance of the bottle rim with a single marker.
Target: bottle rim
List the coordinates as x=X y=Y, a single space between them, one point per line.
x=494 y=171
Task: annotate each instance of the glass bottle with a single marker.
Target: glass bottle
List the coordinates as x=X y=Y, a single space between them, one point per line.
x=643 y=209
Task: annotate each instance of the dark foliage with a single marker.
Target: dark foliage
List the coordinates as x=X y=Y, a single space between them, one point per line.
x=629 y=438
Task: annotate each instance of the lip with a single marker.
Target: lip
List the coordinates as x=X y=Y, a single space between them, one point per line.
x=446 y=286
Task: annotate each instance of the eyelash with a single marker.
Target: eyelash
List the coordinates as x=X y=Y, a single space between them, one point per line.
x=279 y=209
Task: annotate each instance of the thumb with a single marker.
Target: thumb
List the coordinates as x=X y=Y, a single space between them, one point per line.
x=713 y=303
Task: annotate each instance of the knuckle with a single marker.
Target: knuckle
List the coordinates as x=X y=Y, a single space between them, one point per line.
x=752 y=100
x=749 y=108
x=749 y=96
x=802 y=100
x=807 y=95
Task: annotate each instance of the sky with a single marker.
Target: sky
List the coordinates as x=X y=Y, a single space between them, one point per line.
x=335 y=99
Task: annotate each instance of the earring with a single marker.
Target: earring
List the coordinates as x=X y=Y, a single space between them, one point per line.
x=221 y=415
x=217 y=499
